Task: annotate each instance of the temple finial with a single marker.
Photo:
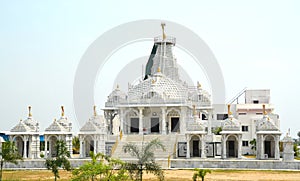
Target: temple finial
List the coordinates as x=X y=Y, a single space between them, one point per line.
x=229 y=112
x=29 y=111
x=194 y=110
x=95 y=112
x=158 y=69
x=62 y=111
x=198 y=85
x=264 y=109
x=163 y=30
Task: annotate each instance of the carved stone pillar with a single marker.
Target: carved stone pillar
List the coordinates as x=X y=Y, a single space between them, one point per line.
x=25 y=138
x=163 y=123
x=188 y=154
x=141 y=121
x=46 y=145
x=209 y=122
x=81 y=153
x=203 y=154
x=224 y=147
x=240 y=146
x=277 y=155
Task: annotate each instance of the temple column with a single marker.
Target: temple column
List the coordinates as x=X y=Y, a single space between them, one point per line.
x=25 y=138
x=81 y=155
x=122 y=121
x=163 y=123
x=277 y=155
x=95 y=145
x=182 y=125
x=46 y=145
x=239 y=146
x=188 y=155
x=223 y=146
x=209 y=122
x=141 y=121
x=203 y=155
x=262 y=153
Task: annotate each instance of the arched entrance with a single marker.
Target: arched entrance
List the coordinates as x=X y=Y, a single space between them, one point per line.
x=88 y=145
x=232 y=146
x=19 y=142
x=195 y=145
x=52 y=143
x=269 y=146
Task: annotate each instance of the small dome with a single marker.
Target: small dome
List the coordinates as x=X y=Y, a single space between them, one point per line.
x=231 y=124
x=95 y=123
x=33 y=124
x=116 y=96
x=266 y=124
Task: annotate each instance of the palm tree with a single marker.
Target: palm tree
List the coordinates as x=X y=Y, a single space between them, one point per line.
x=61 y=159
x=145 y=159
x=100 y=167
x=253 y=143
x=200 y=173
x=9 y=153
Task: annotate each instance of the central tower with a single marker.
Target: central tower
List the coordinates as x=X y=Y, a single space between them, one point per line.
x=162 y=57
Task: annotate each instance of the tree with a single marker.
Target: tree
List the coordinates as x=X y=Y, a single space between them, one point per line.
x=102 y=167
x=145 y=159
x=9 y=153
x=200 y=173
x=295 y=148
x=217 y=130
x=253 y=143
x=76 y=144
x=61 y=159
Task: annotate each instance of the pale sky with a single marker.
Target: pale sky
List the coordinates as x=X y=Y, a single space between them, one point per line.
x=41 y=43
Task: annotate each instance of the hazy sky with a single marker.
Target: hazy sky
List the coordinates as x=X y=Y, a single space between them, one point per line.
x=41 y=43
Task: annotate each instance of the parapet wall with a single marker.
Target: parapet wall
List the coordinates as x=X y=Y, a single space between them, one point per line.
x=182 y=163
x=236 y=164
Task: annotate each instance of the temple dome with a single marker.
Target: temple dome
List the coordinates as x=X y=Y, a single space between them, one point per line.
x=160 y=87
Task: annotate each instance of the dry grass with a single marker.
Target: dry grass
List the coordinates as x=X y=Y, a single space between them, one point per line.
x=170 y=175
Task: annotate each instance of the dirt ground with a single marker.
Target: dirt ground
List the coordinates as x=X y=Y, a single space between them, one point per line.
x=171 y=175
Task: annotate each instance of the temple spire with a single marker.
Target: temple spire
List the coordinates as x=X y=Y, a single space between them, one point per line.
x=163 y=30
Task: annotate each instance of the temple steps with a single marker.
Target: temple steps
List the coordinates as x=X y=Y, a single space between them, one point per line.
x=140 y=140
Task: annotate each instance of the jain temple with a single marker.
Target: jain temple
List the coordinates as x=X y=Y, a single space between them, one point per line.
x=195 y=132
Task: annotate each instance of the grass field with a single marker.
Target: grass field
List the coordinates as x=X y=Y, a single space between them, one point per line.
x=170 y=175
